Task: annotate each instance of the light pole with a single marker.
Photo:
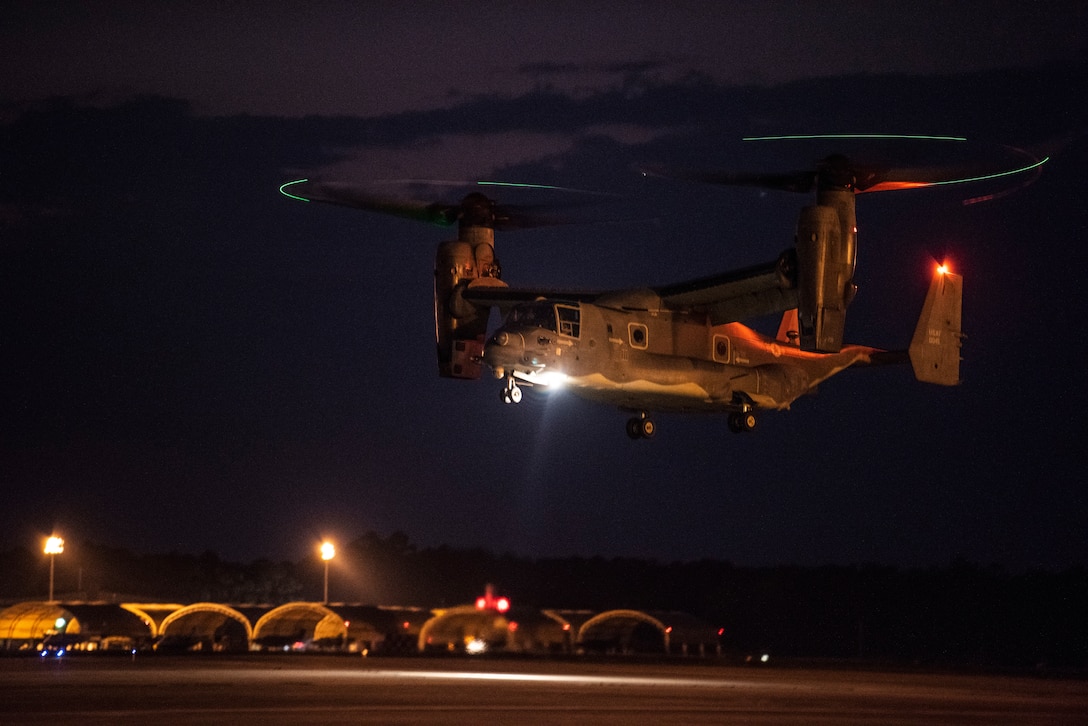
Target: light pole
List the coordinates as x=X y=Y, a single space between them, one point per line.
x=328 y=551
x=54 y=545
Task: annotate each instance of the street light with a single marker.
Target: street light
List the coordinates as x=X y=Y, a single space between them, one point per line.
x=54 y=545
x=328 y=551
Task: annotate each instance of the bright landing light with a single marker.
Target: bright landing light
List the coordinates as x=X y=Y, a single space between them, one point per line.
x=550 y=379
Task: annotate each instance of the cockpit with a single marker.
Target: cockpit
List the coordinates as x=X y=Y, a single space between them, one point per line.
x=559 y=318
x=539 y=314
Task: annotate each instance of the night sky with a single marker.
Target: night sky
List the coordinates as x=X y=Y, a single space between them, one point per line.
x=190 y=361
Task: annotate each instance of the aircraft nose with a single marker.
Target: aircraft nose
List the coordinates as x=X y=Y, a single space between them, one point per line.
x=504 y=349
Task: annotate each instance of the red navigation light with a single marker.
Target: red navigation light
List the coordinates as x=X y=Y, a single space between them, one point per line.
x=488 y=601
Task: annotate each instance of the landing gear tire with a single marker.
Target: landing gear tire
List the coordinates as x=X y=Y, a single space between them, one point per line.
x=511 y=393
x=742 y=421
x=641 y=428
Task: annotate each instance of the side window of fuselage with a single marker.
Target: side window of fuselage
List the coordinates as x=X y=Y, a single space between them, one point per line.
x=570 y=320
x=720 y=350
x=638 y=335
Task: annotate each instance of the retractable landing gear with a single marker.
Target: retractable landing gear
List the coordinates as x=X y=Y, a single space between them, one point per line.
x=511 y=393
x=641 y=426
x=742 y=421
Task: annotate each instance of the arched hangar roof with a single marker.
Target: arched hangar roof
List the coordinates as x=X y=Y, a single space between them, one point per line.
x=612 y=621
x=152 y=613
x=626 y=630
x=319 y=620
x=522 y=628
x=204 y=618
x=33 y=620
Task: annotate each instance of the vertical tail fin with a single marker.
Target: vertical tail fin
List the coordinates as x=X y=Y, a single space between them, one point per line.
x=935 y=347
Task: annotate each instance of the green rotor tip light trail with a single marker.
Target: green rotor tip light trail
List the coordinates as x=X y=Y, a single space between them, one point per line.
x=284 y=192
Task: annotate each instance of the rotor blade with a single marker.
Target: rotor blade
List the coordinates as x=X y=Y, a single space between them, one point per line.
x=474 y=209
x=797 y=181
x=509 y=217
x=998 y=162
x=872 y=175
x=928 y=176
x=358 y=197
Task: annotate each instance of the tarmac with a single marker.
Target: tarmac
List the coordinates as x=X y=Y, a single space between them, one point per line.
x=307 y=689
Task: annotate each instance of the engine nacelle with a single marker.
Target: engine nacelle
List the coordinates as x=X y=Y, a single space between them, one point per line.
x=460 y=326
x=826 y=255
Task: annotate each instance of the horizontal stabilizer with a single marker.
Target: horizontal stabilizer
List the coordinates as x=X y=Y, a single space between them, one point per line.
x=935 y=347
x=788 y=328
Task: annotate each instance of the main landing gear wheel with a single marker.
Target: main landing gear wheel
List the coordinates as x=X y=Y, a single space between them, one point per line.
x=640 y=427
x=742 y=421
x=511 y=393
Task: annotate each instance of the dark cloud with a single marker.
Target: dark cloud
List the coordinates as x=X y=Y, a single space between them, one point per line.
x=373 y=59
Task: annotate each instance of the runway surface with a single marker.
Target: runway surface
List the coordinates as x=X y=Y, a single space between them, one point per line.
x=342 y=690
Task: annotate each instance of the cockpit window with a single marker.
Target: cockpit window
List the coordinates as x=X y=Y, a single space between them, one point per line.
x=570 y=319
x=539 y=314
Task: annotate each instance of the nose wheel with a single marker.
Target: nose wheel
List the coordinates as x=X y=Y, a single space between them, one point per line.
x=511 y=393
x=641 y=427
x=742 y=421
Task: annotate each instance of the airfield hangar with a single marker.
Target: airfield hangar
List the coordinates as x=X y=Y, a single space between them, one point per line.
x=46 y=628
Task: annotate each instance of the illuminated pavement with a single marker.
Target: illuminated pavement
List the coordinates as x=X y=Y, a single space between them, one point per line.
x=327 y=690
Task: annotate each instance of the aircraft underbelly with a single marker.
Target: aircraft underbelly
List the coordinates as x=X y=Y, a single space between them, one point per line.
x=646 y=394
x=725 y=388
x=689 y=394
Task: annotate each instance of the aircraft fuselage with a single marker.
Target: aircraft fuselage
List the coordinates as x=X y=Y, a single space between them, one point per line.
x=627 y=350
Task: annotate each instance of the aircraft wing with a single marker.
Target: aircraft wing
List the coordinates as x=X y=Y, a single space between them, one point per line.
x=505 y=298
x=726 y=297
x=739 y=294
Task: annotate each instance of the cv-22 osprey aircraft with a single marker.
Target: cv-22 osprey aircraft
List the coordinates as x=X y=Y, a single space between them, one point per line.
x=680 y=347
x=641 y=351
